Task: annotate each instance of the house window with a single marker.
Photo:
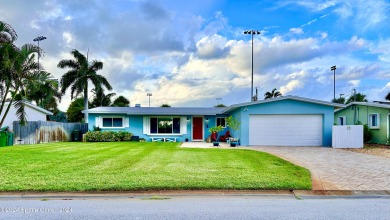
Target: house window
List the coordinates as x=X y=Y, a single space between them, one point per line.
x=342 y=120
x=373 y=120
x=221 y=121
x=165 y=125
x=112 y=122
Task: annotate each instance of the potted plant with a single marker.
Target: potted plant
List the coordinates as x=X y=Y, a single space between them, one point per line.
x=234 y=124
x=214 y=134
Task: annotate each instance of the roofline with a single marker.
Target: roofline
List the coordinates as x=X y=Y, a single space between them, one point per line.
x=36 y=108
x=289 y=97
x=366 y=104
x=153 y=113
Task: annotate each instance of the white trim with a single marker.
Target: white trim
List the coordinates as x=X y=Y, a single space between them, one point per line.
x=387 y=127
x=216 y=120
x=344 y=120
x=180 y=120
x=370 y=121
x=183 y=125
x=146 y=125
x=109 y=116
x=192 y=128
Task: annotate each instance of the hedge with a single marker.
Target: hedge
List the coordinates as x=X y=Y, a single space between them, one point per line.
x=107 y=136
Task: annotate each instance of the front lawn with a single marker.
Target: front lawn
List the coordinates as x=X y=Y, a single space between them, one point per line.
x=142 y=166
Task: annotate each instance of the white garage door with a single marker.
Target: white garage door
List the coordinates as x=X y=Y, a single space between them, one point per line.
x=285 y=130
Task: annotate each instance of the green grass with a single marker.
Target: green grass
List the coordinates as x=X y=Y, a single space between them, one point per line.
x=142 y=166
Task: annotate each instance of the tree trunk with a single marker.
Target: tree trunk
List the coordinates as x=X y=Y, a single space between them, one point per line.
x=86 y=103
x=6 y=111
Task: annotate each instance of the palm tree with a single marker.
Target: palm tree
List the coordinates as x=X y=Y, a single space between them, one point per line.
x=44 y=91
x=358 y=98
x=121 y=101
x=80 y=73
x=17 y=68
x=340 y=100
x=273 y=94
x=101 y=99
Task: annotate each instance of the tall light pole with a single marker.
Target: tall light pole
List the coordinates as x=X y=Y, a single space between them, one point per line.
x=149 y=94
x=252 y=32
x=40 y=38
x=218 y=99
x=333 y=68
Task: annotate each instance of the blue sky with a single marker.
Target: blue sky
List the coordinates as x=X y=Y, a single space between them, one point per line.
x=188 y=53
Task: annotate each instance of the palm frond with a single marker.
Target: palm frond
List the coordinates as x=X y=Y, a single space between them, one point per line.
x=19 y=104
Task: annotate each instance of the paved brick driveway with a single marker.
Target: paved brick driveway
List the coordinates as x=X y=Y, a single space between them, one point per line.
x=335 y=169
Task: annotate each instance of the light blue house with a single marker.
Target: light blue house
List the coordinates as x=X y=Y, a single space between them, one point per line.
x=282 y=121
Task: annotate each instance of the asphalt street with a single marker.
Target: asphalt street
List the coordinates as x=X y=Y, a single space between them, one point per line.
x=198 y=207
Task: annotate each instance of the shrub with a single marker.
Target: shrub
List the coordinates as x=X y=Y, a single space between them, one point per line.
x=367 y=134
x=107 y=136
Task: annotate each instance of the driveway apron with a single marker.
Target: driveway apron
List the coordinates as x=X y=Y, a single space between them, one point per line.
x=336 y=169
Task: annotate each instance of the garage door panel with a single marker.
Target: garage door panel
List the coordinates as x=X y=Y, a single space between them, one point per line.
x=285 y=130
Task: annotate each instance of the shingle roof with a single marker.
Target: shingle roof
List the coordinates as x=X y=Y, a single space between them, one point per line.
x=157 y=110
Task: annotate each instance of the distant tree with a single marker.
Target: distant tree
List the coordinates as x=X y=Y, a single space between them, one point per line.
x=44 y=91
x=74 y=113
x=101 y=99
x=220 y=106
x=273 y=94
x=121 y=101
x=340 y=100
x=358 y=98
x=166 y=105
x=80 y=72
x=59 y=117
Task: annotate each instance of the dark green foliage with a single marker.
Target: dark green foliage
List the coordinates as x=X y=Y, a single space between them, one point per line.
x=367 y=134
x=165 y=106
x=359 y=97
x=74 y=113
x=121 y=101
x=107 y=136
x=58 y=117
x=340 y=100
x=273 y=94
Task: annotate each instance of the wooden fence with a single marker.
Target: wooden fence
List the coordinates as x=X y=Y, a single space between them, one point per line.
x=36 y=132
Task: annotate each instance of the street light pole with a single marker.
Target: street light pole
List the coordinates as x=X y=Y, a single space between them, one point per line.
x=218 y=99
x=40 y=38
x=333 y=68
x=149 y=94
x=252 y=32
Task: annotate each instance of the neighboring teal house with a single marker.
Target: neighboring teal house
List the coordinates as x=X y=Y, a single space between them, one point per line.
x=282 y=121
x=375 y=115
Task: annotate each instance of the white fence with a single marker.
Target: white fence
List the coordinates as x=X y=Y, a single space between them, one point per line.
x=347 y=136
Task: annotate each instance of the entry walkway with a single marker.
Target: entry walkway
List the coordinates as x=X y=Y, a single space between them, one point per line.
x=336 y=169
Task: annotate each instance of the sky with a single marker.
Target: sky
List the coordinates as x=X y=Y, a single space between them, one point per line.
x=189 y=53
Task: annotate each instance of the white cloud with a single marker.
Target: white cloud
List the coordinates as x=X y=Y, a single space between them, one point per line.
x=296 y=30
x=291 y=86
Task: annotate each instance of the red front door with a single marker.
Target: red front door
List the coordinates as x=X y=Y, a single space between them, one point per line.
x=197 y=128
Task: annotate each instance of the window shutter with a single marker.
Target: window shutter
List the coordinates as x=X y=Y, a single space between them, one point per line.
x=127 y=122
x=183 y=125
x=97 y=121
x=146 y=125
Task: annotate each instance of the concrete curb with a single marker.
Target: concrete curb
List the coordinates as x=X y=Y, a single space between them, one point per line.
x=300 y=194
